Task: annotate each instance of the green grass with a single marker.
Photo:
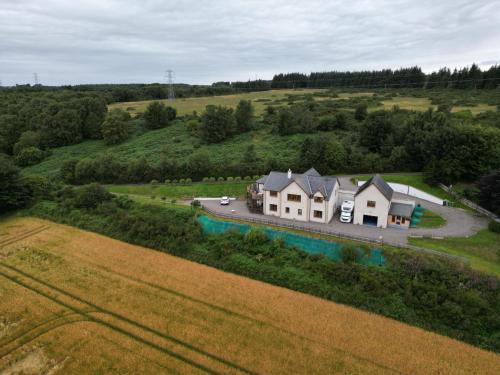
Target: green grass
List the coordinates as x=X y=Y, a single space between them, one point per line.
x=482 y=249
x=430 y=219
x=156 y=201
x=177 y=191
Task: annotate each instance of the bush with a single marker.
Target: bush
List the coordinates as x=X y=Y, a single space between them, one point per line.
x=494 y=226
x=29 y=156
x=237 y=179
x=248 y=178
x=349 y=254
x=189 y=181
x=229 y=179
x=168 y=181
x=220 y=179
x=256 y=177
x=195 y=203
x=90 y=196
x=175 y=181
x=211 y=179
x=206 y=179
x=154 y=183
x=182 y=181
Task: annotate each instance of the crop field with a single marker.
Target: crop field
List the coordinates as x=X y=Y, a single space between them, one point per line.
x=186 y=106
x=75 y=302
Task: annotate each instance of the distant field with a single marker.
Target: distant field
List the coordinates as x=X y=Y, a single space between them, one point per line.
x=186 y=106
x=74 y=302
x=423 y=104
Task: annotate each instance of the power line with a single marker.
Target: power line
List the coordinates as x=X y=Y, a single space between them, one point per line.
x=35 y=78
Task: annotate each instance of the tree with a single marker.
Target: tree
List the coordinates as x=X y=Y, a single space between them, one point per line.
x=116 y=128
x=29 y=156
x=217 y=124
x=361 y=112
x=198 y=165
x=67 y=171
x=14 y=193
x=243 y=115
x=375 y=130
x=62 y=129
x=489 y=191
x=158 y=116
x=326 y=155
x=27 y=139
x=90 y=196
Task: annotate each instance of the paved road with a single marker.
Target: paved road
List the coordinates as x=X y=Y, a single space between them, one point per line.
x=459 y=223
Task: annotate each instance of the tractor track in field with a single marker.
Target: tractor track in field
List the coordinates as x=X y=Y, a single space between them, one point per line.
x=121 y=318
x=22 y=236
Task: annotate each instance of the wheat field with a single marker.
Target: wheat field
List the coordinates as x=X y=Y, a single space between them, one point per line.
x=74 y=302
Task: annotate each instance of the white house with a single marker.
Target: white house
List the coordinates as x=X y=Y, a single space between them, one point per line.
x=304 y=197
x=312 y=197
x=374 y=205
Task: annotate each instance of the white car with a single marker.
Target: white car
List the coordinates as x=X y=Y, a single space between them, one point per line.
x=224 y=201
x=345 y=217
x=347 y=206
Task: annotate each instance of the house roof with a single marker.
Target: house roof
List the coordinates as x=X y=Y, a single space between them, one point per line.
x=401 y=209
x=262 y=180
x=381 y=185
x=311 y=182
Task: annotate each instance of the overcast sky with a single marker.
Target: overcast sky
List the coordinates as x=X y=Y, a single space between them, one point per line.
x=111 y=41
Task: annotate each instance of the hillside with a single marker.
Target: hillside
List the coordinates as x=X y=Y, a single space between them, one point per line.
x=82 y=303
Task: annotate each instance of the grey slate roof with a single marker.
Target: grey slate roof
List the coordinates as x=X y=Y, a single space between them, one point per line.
x=262 y=180
x=311 y=182
x=381 y=185
x=401 y=209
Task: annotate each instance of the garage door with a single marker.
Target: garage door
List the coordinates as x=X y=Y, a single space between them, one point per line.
x=370 y=220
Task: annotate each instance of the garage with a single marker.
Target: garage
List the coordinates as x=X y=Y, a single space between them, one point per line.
x=370 y=220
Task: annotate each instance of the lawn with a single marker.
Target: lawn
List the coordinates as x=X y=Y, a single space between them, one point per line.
x=81 y=303
x=179 y=191
x=184 y=106
x=430 y=219
x=482 y=249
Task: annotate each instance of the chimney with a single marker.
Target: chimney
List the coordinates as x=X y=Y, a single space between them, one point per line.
x=289 y=173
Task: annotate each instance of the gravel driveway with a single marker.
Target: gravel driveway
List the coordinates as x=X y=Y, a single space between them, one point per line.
x=459 y=222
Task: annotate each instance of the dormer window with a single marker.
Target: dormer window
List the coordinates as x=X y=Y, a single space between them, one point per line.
x=318 y=199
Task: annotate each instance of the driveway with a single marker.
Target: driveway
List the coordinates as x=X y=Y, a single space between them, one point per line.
x=459 y=222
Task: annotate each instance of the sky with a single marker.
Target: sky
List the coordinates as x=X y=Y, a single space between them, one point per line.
x=111 y=41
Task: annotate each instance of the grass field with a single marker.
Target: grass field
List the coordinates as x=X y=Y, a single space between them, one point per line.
x=430 y=219
x=482 y=249
x=197 y=189
x=423 y=104
x=75 y=302
x=186 y=106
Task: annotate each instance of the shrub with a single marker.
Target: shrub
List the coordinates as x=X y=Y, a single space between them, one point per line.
x=494 y=226
x=154 y=183
x=256 y=177
x=229 y=179
x=237 y=179
x=182 y=181
x=220 y=179
x=168 y=181
x=196 y=203
x=248 y=178
x=349 y=254
x=163 y=198
x=90 y=196
x=211 y=179
x=175 y=181
x=256 y=237
x=189 y=181
x=173 y=201
x=206 y=179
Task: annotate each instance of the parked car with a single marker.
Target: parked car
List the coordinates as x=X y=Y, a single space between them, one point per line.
x=347 y=206
x=345 y=217
x=224 y=201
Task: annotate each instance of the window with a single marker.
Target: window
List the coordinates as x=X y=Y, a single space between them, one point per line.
x=273 y=207
x=318 y=199
x=393 y=218
x=293 y=197
x=287 y=210
x=403 y=220
x=371 y=204
x=273 y=193
x=299 y=211
x=318 y=214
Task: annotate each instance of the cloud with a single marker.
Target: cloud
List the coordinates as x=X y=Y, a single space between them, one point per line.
x=96 y=41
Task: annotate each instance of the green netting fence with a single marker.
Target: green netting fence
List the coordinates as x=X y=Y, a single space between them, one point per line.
x=310 y=245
